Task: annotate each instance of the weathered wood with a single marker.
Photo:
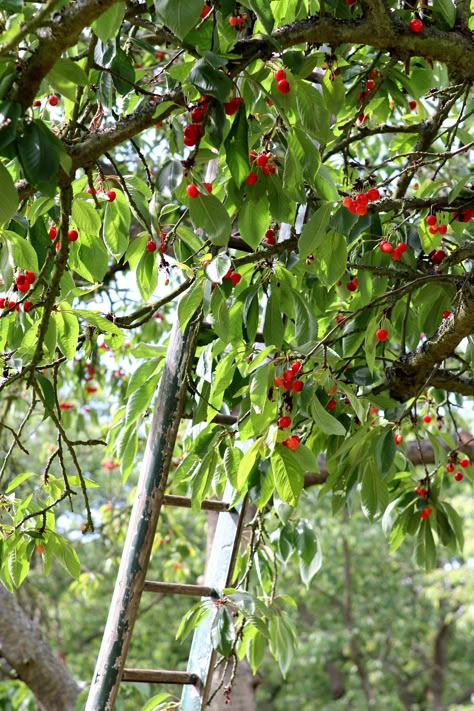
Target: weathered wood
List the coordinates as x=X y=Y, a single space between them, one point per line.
x=185 y=502
x=159 y=676
x=179 y=589
x=144 y=517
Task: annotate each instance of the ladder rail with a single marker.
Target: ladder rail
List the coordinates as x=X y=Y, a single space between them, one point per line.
x=144 y=517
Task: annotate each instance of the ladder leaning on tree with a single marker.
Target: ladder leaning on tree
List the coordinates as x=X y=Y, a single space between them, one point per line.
x=110 y=668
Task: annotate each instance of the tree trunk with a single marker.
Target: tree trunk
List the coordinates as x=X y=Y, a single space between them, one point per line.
x=26 y=651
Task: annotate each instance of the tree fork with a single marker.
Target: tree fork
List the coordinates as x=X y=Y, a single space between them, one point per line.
x=144 y=518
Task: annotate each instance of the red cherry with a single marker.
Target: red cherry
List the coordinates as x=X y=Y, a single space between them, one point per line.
x=292 y=442
x=331 y=404
x=279 y=75
x=234 y=21
x=197 y=115
x=278 y=381
x=297 y=386
x=192 y=191
x=251 y=178
x=90 y=389
x=398 y=438
x=353 y=284
x=205 y=11
x=386 y=247
x=369 y=84
x=150 y=245
x=208 y=187
x=437 y=256
x=283 y=86
x=464 y=463
x=421 y=491
x=52 y=232
x=381 y=334
x=442 y=229
x=27 y=305
x=397 y=254
x=284 y=422
x=111 y=195
x=426 y=512
x=427 y=419
x=431 y=220
x=231 y=107
x=158 y=55
x=415 y=25
x=296 y=366
x=347 y=201
x=459 y=476
x=412 y=104
x=450 y=467
x=53 y=100
x=373 y=193
x=36 y=103
x=30 y=277
x=261 y=159
x=20 y=279
x=23 y=287
x=446 y=314
x=235 y=278
x=72 y=235
x=362 y=199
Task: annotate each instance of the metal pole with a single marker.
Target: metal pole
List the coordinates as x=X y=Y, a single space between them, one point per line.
x=144 y=517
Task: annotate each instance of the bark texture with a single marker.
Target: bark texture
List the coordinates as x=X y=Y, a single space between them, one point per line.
x=24 y=648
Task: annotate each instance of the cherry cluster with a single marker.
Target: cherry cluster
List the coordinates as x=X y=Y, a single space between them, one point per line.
x=358 y=205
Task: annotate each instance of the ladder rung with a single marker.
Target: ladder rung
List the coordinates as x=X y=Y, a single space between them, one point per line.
x=179 y=589
x=185 y=502
x=159 y=676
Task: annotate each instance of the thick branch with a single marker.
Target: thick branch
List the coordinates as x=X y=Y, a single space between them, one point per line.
x=24 y=648
x=66 y=26
x=410 y=372
x=454 y=49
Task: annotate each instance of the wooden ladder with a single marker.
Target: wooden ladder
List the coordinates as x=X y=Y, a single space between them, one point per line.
x=131 y=581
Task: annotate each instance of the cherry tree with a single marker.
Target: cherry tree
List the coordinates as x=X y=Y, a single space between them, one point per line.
x=290 y=182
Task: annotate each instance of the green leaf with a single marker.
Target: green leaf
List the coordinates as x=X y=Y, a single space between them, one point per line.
x=312 y=110
x=293 y=183
x=123 y=73
x=287 y=474
x=86 y=217
x=309 y=550
x=223 y=632
x=191 y=620
x=237 y=147
x=39 y=153
x=374 y=492
x=108 y=24
x=222 y=377
x=66 y=76
x=181 y=16
x=189 y=303
x=9 y=114
x=47 y=390
x=116 y=227
x=259 y=388
x=330 y=258
x=10 y=199
x=220 y=315
x=218 y=268
x=247 y=463
x=273 y=326
x=89 y=257
x=210 y=215
x=445 y=10
x=334 y=93
x=425 y=546
x=205 y=77
x=68 y=333
x=254 y=218
x=147 y=274
x=155 y=702
x=22 y=252
x=140 y=399
x=384 y=450
x=326 y=422
x=314 y=231
x=18 y=565
x=263 y=10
